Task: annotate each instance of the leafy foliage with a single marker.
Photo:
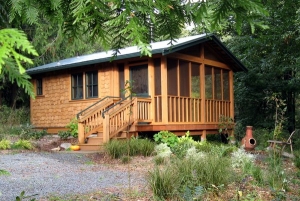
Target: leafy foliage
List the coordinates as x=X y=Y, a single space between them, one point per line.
x=5 y=144
x=272 y=58
x=166 y=137
x=117 y=23
x=73 y=127
x=22 y=144
x=13 y=46
x=12 y=42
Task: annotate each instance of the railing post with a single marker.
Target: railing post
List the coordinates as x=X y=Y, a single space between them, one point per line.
x=80 y=133
x=106 y=128
x=134 y=110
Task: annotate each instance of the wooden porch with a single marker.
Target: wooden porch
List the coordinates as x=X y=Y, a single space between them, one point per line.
x=113 y=117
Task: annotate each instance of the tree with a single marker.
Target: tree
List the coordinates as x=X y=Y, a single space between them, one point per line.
x=272 y=57
x=117 y=23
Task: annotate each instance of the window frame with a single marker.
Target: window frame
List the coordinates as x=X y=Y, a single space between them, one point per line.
x=76 y=86
x=39 y=86
x=91 y=85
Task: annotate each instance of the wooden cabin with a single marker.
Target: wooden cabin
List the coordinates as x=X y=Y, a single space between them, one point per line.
x=183 y=87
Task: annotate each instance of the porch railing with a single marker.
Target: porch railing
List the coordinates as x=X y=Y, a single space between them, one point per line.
x=215 y=108
x=188 y=110
x=184 y=109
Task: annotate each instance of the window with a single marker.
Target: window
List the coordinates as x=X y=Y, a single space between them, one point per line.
x=39 y=86
x=77 y=86
x=91 y=80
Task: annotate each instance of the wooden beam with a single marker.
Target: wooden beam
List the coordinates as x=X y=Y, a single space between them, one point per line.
x=199 y=60
x=177 y=127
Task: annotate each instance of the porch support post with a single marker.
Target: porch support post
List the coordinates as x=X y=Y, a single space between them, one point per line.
x=151 y=87
x=203 y=136
x=106 y=128
x=164 y=90
x=80 y=133
x=231 y=94
x=202 y=91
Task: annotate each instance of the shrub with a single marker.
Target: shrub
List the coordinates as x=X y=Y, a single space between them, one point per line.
x=5 y=144
x=162 y=150
x=184 y=143
x=146 y=147
x=115 y=148
x=33 y=134
x=64 y=134
x=73 y=127
x=135 y=146
x=240 y=158
x=166 y=137
x=170 y=182
x=125 y=159
x=22 y=144
x=164 y=183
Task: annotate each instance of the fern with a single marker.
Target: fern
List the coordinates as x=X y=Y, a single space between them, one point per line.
x=13 y=46
x=13 y=41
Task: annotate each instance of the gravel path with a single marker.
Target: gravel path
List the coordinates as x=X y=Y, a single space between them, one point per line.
x=57 y=174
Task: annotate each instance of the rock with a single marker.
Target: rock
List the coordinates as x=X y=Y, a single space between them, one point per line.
x=56 y=149
x=65 y=145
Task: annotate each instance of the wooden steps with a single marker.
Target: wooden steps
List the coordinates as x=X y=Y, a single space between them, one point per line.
x=94 y=143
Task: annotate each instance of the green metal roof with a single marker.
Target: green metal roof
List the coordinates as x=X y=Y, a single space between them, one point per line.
x=163 y=47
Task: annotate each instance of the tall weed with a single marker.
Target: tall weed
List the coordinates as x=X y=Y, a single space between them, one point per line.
x=135 y=146
x=206 y=170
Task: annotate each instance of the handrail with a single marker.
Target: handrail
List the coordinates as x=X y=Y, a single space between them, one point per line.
x=78 y=114
x=117 y=103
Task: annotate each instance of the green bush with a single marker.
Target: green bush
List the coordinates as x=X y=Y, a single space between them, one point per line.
x=22 y=144
x=73 y=127
x=146 y=147
x=5 y=144
x=166 y=137
x=184 y=143
x=32 y=134
x=64 y=134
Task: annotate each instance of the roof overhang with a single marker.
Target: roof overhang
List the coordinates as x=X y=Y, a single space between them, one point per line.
x=163 y=47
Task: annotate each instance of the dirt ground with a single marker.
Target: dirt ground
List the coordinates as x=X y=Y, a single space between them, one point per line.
x=245 y=190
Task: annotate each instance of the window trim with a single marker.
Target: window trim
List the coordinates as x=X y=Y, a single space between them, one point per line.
x=39 y=86
x=92 y=85
x=77 y=87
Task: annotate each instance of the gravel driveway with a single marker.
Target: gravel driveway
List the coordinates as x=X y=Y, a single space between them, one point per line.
x=57 y=174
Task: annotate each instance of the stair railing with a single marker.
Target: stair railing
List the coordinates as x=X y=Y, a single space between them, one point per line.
x=94 y=105
x=90 y=119
x=119 y=117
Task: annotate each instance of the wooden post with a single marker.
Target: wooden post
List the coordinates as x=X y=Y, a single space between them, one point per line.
x=151 y=86
x=106 y=128
x=80 y=133
x=231 y=94
x=202 y=91
x=164 y=90
x=203 y=136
